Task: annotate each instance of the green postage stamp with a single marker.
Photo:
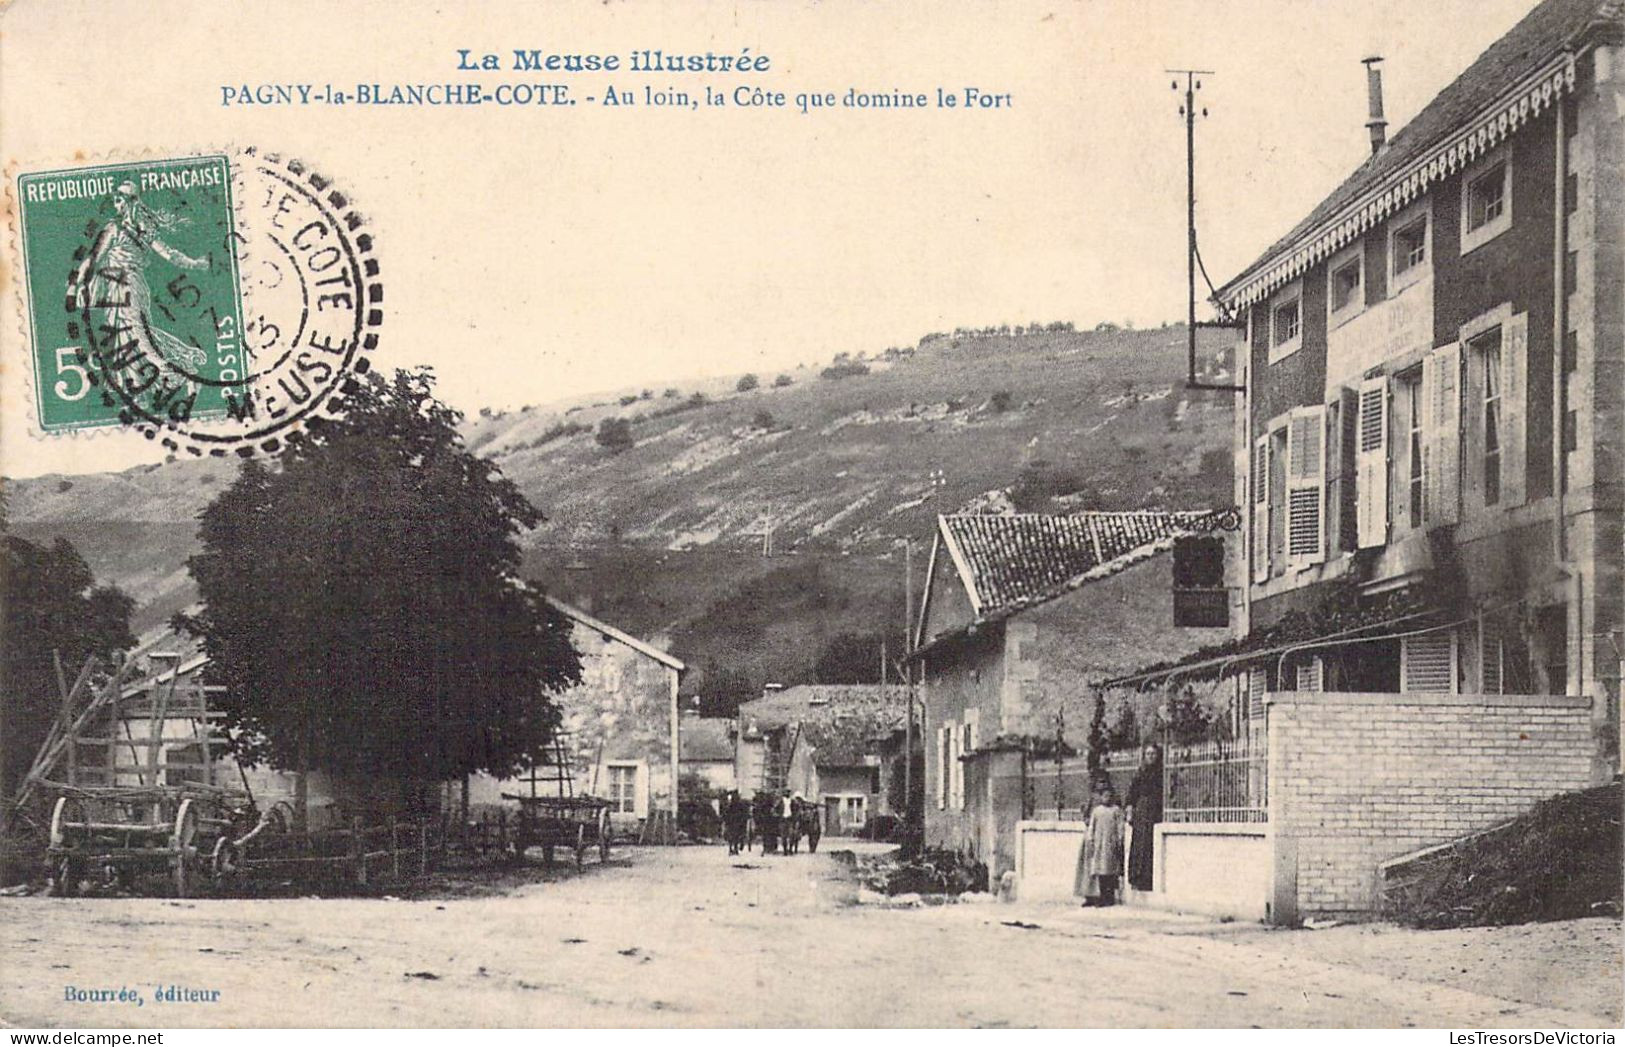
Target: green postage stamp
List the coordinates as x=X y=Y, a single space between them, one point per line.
x=219 y=303
x=134 y=299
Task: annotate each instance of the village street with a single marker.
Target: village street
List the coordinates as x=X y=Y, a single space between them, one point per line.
x=686 y=936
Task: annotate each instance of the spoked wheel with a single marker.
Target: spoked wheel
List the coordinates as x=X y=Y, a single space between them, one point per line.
x=279 y=817
x=182 y=844
x=603 y=835
x=226 y=860
x=68 y=819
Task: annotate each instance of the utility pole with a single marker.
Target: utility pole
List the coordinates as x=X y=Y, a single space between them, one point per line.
x=1188 y=111
x=908 y=682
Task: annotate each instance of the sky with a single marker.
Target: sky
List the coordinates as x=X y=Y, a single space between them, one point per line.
x=531 y=255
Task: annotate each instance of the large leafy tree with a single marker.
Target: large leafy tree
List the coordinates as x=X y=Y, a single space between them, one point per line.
x=362 y=605
x=52 y=606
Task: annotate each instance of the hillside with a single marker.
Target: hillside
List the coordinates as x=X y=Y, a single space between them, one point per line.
x=669 y=534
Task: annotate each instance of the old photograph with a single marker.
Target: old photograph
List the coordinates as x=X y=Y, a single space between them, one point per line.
x=617 y=514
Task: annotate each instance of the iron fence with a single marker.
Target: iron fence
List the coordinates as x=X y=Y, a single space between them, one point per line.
x=1219 y=779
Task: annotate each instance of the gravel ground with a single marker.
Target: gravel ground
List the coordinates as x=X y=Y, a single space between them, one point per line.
x=692 y=937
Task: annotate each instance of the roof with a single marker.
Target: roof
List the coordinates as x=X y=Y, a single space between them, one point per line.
x=610 y=631
x=705 y=740
x=1011 y=562
x=1512 y=80
x=839 y=722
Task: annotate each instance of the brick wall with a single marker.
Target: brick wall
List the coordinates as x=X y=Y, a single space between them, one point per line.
x=1355 y=779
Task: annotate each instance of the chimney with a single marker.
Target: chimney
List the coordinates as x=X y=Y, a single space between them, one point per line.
x=1373 y=85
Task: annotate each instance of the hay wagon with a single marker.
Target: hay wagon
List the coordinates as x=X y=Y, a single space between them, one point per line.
x=139 y=785
x=578 y=823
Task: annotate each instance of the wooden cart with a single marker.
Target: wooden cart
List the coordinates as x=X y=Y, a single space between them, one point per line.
x=576 y=822
x=134 y=767
x=112 y=835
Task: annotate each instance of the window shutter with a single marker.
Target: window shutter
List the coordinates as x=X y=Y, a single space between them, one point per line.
x=1341 y=417
x=1261 y=509
x=1371 y=464
x=1441 y=436
x=1306 y=486
x=1257 y=689
x=1491 y=675
x=1428 y=662
x=942 y=768
x=1514 y=393
x=1310 y=675
x=973 y=723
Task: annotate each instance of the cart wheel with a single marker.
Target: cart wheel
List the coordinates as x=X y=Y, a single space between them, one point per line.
x=181 y=844
x=280 y=816
x=64 y=876
x=65 y=816
x=226 y=861
x=581 y=846
x=603 y=835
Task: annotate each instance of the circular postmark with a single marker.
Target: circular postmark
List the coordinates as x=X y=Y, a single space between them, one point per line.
x=224 y=303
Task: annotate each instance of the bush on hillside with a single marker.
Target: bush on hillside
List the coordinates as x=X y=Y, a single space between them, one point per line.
x=615 y=435
x=844 y=369
x=746 y=383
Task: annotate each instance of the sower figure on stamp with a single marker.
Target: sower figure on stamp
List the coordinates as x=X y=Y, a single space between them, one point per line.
x=1144 y=812
x=114 y=274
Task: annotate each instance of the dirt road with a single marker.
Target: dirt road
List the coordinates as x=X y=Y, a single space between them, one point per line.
x=688 y=937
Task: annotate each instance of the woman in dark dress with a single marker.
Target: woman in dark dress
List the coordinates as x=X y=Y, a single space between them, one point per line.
x=1145 y=811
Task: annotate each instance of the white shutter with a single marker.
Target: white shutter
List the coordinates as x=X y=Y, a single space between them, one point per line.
x=1306 y=486
x=1257 y=690
x=1371 y=464
x=1261 y=509
x=1428 y=662
x=942 y=768
x=1441 y=436
x=1514 y=394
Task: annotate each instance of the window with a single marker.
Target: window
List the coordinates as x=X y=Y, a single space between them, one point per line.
x=1410 y=391
x=1285 y=323
x=1486 y=197
x=1410 y=246
x=1486 y=200
x=853 y=814
x=1486 y=356
x=1345 y=286
x=623 y=788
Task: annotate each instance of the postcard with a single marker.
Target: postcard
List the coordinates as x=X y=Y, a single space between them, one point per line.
x=822 y=514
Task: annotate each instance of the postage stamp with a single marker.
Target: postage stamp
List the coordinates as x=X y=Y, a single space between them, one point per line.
x=219 y=303
x=146 y=252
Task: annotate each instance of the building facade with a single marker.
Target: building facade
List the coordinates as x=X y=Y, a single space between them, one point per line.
x=1022 y=617
x=1433 y=364
x=821 y=742
x=620 y=728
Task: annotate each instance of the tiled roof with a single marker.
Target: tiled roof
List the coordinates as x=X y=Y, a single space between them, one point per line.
x=1013 y=561
x=838 y=721
x=705 y=739
x=1535 y=41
